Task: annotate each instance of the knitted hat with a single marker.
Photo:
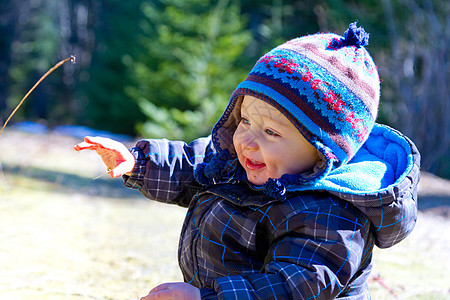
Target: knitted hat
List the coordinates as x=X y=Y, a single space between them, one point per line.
x=325 y=84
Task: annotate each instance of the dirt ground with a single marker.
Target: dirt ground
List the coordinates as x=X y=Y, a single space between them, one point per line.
x=66 y=236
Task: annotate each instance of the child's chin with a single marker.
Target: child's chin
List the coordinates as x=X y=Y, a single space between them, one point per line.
x=256 y=180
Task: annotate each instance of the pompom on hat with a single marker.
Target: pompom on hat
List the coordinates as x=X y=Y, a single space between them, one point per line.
x=325 y=84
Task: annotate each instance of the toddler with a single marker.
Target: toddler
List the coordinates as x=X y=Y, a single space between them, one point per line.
x=296 y=184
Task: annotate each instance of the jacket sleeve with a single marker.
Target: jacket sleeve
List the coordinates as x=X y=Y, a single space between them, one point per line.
x=314 y=254
x=164 y=169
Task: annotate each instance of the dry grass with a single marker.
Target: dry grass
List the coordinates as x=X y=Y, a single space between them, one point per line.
x=65 y=236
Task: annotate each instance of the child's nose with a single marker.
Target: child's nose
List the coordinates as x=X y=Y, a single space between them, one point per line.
x=249 y=141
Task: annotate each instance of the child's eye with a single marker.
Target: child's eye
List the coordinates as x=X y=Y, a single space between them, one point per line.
x=245 y=121
x=271 y=132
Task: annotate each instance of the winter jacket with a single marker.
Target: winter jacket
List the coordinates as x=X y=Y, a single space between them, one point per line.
x=313 y=242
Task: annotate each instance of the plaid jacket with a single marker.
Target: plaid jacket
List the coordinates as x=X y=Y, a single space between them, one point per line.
x=237 y=243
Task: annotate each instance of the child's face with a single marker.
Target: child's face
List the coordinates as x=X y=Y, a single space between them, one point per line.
x=268 y=145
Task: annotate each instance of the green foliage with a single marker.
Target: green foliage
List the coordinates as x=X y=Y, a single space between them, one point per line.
x=108 y=107
x=188 y=70
x=32 y=54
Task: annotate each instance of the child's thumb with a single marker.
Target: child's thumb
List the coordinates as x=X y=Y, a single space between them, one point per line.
x=122 y=168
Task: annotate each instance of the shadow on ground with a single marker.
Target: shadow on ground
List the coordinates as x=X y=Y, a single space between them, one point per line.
x=435 y=204
x=113 y=188
x=65 y=182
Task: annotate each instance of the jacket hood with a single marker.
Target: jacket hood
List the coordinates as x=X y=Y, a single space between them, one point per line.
x=381 y=180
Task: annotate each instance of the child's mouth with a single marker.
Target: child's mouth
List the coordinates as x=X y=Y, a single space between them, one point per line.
x=253 y=165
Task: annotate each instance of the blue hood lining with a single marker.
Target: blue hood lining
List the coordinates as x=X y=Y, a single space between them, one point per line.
x=382 y=162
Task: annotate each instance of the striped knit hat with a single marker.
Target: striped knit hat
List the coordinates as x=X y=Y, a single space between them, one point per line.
x=325 y=84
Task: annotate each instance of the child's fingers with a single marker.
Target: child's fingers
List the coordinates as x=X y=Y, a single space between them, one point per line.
x=122 y=168
x=161 y=287
x=161 y=295
x=88 y=143
x=84 y=146
x=97 y=142
x=104 y=142
x=174 y=290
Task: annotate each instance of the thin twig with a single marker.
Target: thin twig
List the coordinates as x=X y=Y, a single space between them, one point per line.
x=71 y=58
x=106 y=173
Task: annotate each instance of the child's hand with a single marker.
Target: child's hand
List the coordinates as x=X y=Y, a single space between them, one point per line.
x=114 y=154
x=176 y=290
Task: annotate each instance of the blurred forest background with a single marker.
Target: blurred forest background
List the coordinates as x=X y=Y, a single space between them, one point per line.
x=166 y=68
